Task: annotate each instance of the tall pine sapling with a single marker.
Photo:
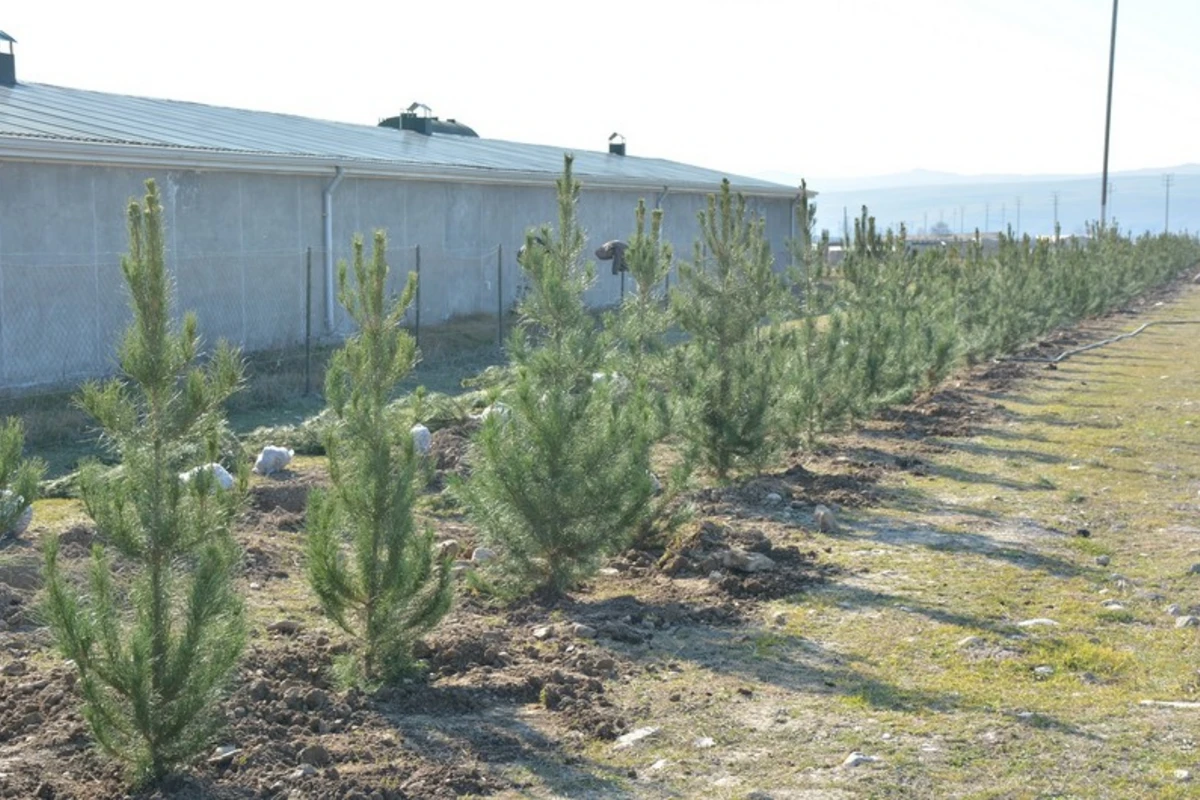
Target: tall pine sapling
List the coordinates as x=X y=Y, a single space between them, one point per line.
x=161 y=629
x=19 y=479
x=563 y=480
x=728 y=370
x=375 y=573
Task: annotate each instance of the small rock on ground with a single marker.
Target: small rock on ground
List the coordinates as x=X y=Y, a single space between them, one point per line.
x=1183 y=775
x=1037 y=623
x=969 y=642
x=825 y=520
x=543 y=632
x=483 y=554
x=314 y=754
x=1174 y=610
x=857 y=759
x=633 y=737
x=583 y=631
x=1187 y=622
x=1103 y=561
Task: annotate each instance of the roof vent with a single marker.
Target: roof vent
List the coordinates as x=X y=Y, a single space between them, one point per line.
x=616 y=145
x=419 y=118
x=8 y=61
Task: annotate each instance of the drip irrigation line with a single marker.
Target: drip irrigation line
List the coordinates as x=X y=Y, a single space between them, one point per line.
x=1063 y=356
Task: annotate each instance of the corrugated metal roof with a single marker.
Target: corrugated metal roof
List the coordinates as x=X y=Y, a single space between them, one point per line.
x=53 y=114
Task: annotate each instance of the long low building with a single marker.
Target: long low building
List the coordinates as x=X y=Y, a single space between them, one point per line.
x=247 y=194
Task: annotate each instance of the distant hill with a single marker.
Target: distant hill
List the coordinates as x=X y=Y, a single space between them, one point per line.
x=921 y=198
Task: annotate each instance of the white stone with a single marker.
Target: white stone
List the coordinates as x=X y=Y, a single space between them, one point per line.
x=223 y=479
x=543 y=632
x=272 y=459
x=655 y=484
x=857 y=759
x=969 y=642
x=1037 y=623
x=583 y=631
x=23 y=519
x=743 y=561
x=1174 y=610
x=620 y=383
x=1187 y=622
x=705 y=742
x=498 y=410
x=633 y=737
x=1183 y=775
x=825 y=520
x=447 y=548
x=774 y=498
x=1044 y=671
x=1103 y=560
x=422 y=439
x=482 y=555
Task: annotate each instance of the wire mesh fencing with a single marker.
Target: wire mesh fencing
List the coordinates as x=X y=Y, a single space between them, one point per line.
x=62 y=317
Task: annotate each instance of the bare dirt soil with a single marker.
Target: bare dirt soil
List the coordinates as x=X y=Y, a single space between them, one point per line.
x=957 y=520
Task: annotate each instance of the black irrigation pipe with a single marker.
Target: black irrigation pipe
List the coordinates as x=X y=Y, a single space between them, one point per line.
x=1076 y=351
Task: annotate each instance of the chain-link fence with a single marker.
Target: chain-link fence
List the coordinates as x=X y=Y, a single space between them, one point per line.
x=62 y=317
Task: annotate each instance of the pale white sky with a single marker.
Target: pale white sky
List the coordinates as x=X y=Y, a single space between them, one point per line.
x=816 y=87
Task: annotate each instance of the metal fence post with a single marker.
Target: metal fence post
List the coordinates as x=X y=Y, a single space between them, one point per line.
x=417 y=323
x=500 y=295
x=308 y=322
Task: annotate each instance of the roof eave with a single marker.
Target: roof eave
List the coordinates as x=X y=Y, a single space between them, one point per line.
x=158 y=157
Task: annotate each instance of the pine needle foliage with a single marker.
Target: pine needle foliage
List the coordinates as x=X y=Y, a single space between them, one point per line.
x=160 y=629
x=727 y=373
x=373 y=570
x=563 y=481
x=642 y=319
x=19 y=476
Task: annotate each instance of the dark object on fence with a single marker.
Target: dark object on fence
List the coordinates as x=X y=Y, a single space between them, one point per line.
x=613 y=251
x=538 y=240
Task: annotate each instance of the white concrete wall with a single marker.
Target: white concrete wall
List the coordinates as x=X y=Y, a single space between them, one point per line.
x=236 y=248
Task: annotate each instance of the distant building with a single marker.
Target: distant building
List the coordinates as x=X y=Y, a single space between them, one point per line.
x=247 y=192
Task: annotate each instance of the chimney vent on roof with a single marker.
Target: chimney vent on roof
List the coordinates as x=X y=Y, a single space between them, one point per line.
x=616 y=145
x=8 y=61
x=418 y=118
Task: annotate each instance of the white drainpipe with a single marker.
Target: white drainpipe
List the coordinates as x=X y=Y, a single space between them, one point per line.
x=327 y=216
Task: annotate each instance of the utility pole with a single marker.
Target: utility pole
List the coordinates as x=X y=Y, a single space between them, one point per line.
x=1167 y=180
x=845 y=229
x=1018 y=217
x=1055 y=196
x=1112 y=53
